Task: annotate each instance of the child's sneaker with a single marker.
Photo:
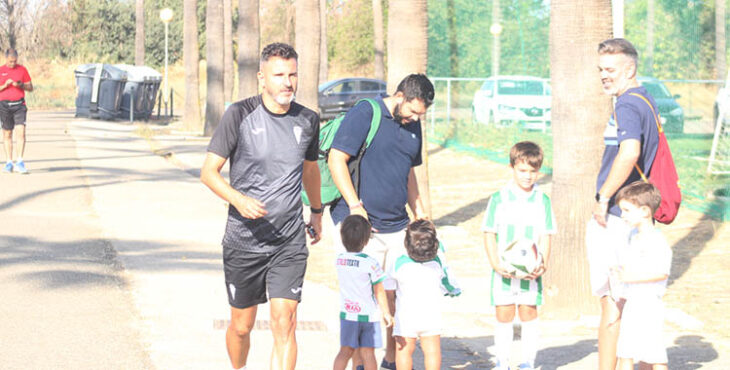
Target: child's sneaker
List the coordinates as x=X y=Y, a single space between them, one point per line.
x=8 y=167
x=385 y=365
x=499 y=366
x=20 y=167
x=525 y=366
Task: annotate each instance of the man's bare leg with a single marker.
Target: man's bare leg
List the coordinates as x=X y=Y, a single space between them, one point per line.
x=20 y=138
x=8 y=144
x=238 y=335
x=608 y=330
x=283 y=327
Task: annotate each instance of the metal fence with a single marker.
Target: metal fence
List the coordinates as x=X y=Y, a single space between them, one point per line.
x=454 y=122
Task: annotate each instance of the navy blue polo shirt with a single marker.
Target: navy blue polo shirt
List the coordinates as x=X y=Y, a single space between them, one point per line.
x=384 y=168
x=633 y=120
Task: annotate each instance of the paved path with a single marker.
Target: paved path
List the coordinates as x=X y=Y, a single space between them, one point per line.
x=65 y=300
x=110 y=257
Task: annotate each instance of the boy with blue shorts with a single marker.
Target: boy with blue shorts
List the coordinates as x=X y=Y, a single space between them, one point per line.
x=520 y=211
x=361 y=292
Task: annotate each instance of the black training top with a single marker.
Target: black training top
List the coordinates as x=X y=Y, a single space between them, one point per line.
x=266 y=151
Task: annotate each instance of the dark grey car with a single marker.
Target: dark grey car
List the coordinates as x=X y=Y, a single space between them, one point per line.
x=338 y=96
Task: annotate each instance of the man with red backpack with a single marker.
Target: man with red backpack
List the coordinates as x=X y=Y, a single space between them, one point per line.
x=631 y=139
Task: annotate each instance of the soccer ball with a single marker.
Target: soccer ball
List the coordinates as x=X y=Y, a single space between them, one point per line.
x=521 y=258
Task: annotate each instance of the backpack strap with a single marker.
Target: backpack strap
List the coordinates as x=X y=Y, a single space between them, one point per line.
x=660 y=129
x=375 y=121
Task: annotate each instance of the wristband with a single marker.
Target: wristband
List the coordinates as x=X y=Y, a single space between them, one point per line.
x=316 y=210
x=356 y=206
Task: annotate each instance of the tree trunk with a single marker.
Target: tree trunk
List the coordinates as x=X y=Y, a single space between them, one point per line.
x=323 y=57
x=227 y=51
x=139 y=33
x=214 y=102
x=191 y=113
x=408 y=53
x=650 y=37
x=720 y=62
x=249 y=41
x=307 y=44
x=12 y=35
x=379 y=39
x=578 y=121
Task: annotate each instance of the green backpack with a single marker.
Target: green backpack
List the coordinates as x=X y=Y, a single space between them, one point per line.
x=329 y=192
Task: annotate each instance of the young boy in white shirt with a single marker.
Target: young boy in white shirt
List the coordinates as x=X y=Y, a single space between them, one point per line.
x=420 y=278
x=642 y=275
x=361 y=292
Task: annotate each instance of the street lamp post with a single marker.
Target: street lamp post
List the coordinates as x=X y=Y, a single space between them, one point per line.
x=166 y=16
x=495 y=30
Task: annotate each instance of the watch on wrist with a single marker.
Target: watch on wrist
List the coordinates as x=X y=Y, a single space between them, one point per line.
x=601 y=199
x=317 y=210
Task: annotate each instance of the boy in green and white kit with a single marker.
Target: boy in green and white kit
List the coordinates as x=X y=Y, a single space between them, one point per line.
x=518 y=211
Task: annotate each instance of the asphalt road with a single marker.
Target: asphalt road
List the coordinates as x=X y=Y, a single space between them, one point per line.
x=65 y=301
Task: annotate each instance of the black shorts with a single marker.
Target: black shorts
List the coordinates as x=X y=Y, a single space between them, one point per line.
x=12 y=113
x=249 y=274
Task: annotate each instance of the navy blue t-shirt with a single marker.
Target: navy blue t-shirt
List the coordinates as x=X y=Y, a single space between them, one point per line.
x=635 y=121
x=384 y=167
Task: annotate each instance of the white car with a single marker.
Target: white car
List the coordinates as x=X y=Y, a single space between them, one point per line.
x=503 y=100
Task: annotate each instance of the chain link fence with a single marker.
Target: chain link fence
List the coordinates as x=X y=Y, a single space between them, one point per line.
x=470 y=115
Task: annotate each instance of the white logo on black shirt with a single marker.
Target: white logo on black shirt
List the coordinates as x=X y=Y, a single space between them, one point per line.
x=298 y=133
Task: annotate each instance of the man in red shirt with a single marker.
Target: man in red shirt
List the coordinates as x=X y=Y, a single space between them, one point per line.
x=14 y=82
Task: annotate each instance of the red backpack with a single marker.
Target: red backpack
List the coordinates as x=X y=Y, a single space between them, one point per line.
x=663 y=174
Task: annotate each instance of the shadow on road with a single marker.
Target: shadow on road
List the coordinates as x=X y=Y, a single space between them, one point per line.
x=554 y=357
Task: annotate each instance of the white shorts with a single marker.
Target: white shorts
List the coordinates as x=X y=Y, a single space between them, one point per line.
x=509 y=291
x=416 y=326
x=641 y=332
x=602 y=245
x=378 y=247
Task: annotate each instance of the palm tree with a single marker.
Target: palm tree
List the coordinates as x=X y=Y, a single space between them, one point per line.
x=227 y=51
x=720 y=41
x=323 y=70
x=139 y=33
x=249 y=41
x=307 y=33
x=378 y=39
x=191 y=114
x=214 y=60
x=408 y=53
x=578 y=119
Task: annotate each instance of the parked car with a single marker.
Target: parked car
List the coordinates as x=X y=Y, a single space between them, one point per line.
x=670 y=113
x=504 y=100
x=338 y=96
x=722 y=102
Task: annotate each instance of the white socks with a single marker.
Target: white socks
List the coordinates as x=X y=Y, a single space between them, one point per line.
x=530 y=332
x=503 y=334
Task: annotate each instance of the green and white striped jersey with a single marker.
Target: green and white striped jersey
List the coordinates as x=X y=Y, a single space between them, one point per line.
x=514 y=214
x=357 y=273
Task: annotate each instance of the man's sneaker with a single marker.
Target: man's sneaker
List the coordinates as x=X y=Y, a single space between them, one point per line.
x=8 y=167
x=20 y=167
x=525 y=366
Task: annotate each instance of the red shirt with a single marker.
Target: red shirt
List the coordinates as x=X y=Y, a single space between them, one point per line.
x=19 y=73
